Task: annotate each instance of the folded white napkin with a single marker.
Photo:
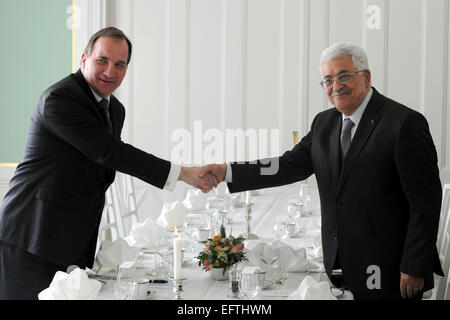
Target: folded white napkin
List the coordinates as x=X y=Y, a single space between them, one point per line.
x=310 y=289
x=112 y=254
x=222 y=190
x=172 y=215
x=251 y=270
x=290 y=259
x=255 y=252
x=316 y=251
x=195 y=200
x=146 y=234
x=73 y=286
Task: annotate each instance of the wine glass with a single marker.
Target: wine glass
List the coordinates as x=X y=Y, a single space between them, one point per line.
x=190 y=227
x=164 y=250
x=268 y=256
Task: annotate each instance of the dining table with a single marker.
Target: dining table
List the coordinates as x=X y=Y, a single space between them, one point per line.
x=266 y=205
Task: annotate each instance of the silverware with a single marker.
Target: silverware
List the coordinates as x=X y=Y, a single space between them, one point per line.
x=102 y=277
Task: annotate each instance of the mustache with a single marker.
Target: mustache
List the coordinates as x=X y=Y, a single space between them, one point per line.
x=340 y=91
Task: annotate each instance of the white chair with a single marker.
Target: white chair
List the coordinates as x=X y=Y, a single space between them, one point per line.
x=442 y=244
x=111 y=226
x=443 y=290
x=121 y=208
x=443 y=219
x=127 y=203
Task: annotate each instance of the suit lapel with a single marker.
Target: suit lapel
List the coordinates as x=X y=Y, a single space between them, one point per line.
x=79 y=78
x=365 y=128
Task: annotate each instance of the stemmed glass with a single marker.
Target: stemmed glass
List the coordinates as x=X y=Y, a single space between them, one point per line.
x=190 y=228
x=268 y=257
x=164 y=250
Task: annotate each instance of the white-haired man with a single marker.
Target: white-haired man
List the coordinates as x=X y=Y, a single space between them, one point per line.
x=376 y=168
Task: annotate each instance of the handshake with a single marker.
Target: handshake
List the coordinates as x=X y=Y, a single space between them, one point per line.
x=204 y=178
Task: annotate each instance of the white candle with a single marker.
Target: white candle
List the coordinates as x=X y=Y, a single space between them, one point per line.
x=248 y=197
x=177 y=257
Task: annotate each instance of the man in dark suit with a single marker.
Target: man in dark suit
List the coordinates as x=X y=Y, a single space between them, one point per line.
x=50 y=216
x=376 y=168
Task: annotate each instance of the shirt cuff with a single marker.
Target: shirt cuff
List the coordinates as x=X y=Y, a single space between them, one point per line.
x=228 y=175
x=173 y=176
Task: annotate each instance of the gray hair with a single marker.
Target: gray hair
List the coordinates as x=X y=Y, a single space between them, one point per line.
x=339 y=50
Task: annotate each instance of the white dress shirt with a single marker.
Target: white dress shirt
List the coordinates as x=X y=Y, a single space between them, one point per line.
x=175 y=170
x=355 y=117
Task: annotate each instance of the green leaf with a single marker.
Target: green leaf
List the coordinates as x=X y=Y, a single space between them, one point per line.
x=222 y=232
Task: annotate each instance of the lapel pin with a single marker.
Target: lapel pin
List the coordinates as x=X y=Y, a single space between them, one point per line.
x=372 y=121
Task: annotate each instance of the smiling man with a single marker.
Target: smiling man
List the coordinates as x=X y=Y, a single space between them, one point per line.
x=376 y=169
x=50 y=216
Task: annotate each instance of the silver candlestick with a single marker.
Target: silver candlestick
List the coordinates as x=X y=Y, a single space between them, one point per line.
x=177 y=288
x=249 y=235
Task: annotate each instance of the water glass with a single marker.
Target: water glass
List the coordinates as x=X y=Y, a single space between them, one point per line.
x=278 y=274
x=221 y=219
x=304 y=193
x=125 y=287
x=280 y=228
x=250 y=285
x=224 y=204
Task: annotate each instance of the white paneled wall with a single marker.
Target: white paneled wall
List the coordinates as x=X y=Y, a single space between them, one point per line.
x=255 y=64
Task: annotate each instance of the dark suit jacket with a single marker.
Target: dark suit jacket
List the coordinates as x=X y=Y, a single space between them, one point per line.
x=381 y=206
x=55 y=199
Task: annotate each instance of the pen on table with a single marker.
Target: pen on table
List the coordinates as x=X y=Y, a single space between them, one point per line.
x=158 y=281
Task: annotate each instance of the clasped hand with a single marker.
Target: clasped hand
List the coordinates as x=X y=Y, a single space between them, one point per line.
x=204 y=178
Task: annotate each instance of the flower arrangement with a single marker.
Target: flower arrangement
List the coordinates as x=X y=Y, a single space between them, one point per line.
x=222 y=252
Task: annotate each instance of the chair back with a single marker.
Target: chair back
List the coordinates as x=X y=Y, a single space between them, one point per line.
x=443 y=290
x=443 y=218
x=120 y=210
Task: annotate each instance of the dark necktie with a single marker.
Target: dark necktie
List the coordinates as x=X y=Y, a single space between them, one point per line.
x=346 y=136
x=103 y=104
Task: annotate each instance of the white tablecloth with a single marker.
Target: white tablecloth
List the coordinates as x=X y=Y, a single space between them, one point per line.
x=268 y=203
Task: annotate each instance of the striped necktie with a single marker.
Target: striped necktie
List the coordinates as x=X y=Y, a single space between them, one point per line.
x=346 y=136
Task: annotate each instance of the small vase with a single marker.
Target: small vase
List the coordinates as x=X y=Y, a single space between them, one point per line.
x=218 y=274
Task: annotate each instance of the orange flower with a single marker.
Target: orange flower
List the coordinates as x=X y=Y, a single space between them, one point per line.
x=216 y=238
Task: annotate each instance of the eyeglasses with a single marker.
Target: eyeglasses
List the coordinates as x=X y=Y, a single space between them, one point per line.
x=341 y=79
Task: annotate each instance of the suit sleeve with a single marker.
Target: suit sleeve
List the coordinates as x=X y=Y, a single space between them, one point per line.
x=416 y=162
x=294 y=165
x=74 y=122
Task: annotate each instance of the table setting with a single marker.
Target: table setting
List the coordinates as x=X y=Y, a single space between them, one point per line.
x=259 y=245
